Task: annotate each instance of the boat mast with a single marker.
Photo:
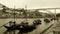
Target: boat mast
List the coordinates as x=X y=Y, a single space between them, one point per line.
x=25 y=12
x=14 y=13
x=14 y=18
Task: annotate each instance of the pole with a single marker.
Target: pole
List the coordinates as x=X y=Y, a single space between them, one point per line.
x=25 y=12
x=14 y=19
x=14 y=13
x=55 y=14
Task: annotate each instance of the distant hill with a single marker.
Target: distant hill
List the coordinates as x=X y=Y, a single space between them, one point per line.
x=30 y=13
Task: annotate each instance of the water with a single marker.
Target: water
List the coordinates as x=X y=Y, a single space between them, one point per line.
x=39 y=28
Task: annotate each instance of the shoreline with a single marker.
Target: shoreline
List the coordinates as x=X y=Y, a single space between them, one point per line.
x=19 y=18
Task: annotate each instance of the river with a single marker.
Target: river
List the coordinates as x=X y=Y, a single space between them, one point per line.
x=19 y=20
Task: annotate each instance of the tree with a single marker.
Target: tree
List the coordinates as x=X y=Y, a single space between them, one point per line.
x=4 y=9
x=58 y=15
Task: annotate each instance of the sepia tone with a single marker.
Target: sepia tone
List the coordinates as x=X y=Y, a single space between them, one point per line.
x=29 y=17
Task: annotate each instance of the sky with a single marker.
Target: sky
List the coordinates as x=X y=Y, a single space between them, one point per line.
x=31 y=3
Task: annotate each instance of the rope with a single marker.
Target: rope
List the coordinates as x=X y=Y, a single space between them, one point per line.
x=46 y=29
x=3 y=25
